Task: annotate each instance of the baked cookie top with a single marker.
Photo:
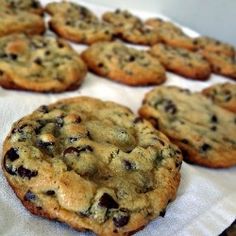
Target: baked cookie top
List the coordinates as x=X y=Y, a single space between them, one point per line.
x=70 y=9
x=220 y=63
x=223 y=95
x=123 y=64
x=32 y=6
x=91 y=164
x=182 y=61
x=15 y=21
x=215 y=46
x=122 y=20
x=37 y=63
x=204 y=131
x=81 y=31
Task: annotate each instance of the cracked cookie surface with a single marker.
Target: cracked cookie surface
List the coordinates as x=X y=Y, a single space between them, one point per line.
x=182 y=61
x=91 y=164
x=204 y=131
x=41 y=64
x=223 y=95
x=127 y=65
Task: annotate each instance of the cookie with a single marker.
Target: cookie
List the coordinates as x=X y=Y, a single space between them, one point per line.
x=81 y=31
x=223 y=95
x=37 y=63
x=121 y=20
x=126 y=65
x=220 y=63
x=20 y=22
x=159 y=23
x=61 y=167
x=70 y=9
x=214 y=46
x=182 y=61
x=32 y=6
x=204 y=131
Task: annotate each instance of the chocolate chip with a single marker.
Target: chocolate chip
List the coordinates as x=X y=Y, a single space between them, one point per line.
x=71 y=150
x=29 y=196
x=38 y=61
x=131 y=58
x=100 y=65
x=214 y=119
x=86 y=148
x=108 y=202
x=121 y=218
x=162 y=213
x=214 y=128
x=23 y=172
x=12 y=154
x=35 y=4
x=72 y=139
x=170 y=107
x=228 y=97
x=1 y=73
x=43 y=144
x=13 y=56
x=205 y=147
x=60 y=44
x=50 y=192
x=128 y=165
x=185 y=141
x=43 y=109
x=78 y=119
x=138 y=120
x=8 y=168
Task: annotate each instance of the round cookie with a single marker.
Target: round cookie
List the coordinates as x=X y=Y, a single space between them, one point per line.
x=126 y=65
x=121 y=20
x=220 y=63
x=223 y=95
x=81 y=31
x=20 y=22
x=214 y=46
x=41 y=64
x=182 y=61
x=61 y=167
x=77 y=23
x=32 y=6
x=70 y=9
x=204 y=131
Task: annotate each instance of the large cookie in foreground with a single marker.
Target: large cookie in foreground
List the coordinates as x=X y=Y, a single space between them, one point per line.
x=41 y=64
x=223 y=95
x=205 y=132
x=91 y=164
x=124 y=64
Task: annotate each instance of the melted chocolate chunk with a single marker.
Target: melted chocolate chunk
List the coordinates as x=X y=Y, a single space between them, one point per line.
x=78 y=119
x=13 y=56
x=121 y=218
x=129 y=165
x=71 y=150
x=23 y=172
x=38 y=61
x=205 y=147
x=170 y=107
x=108 y=202
x=214 y=119
x=12 y=154
x=163 y=212
x=50 y=192
x=45 y=145
x=214 y=128
x=1 y=73
x=185 y=141
x=29 y=196
x=43 y=109
x=100 y=65
x=35 y=4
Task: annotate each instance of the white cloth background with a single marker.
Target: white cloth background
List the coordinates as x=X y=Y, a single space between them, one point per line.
x=205 y=203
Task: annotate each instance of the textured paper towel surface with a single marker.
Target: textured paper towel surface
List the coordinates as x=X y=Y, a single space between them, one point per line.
x=205 y=203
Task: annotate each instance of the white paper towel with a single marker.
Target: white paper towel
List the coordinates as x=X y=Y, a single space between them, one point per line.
x=205 y=203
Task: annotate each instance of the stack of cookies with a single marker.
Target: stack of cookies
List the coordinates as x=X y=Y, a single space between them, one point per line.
x=94 y=164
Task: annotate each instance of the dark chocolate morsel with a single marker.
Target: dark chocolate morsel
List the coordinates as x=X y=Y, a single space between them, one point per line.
x=185 y=141
x=50 y=192
x=107 y=201
x=121 y=218
x=214 y=119
x=71 y=150
x=12 y=154
x=23 y=172
x=43 y=109
x=162 y=213
x=205 y=147
x=29 y=196
x=128 y=165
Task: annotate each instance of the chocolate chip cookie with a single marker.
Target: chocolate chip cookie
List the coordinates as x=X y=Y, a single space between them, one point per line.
x=32 y=6
x=126 y=65
x=182 y=61
x=61 y=167
x=37 y=63
x=77 y=23
x=16 y=21
x=220 y=63
x=214 y=46
x=130 y=28
x=223 y=95
x=204 y=131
